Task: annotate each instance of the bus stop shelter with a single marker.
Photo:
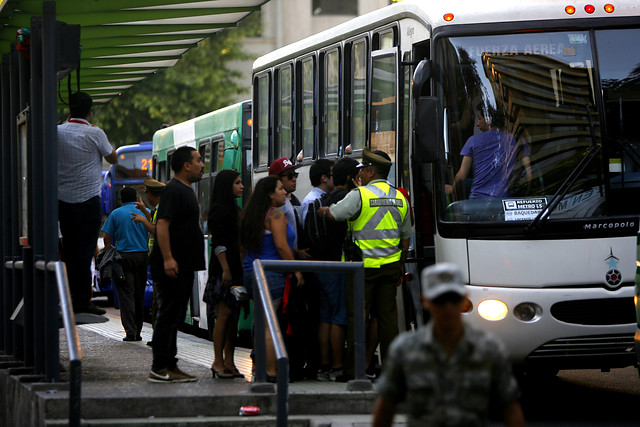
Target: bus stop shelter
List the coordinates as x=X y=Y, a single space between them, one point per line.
x=102 y=48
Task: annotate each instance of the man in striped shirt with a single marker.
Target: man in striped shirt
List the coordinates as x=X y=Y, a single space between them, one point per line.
x=81 y=147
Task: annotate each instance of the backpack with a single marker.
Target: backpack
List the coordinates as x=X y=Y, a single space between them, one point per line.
x=315 y=231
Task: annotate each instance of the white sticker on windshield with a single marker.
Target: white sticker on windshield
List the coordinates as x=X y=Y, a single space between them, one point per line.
x=577 y=38
x=522 y=209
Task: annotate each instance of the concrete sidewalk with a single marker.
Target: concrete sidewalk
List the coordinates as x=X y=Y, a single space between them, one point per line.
x=114 y=375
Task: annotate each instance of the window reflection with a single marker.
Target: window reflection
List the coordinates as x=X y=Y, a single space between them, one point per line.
x=521 y=113
x=331 y=102
x=620 y=75
x=307 y=108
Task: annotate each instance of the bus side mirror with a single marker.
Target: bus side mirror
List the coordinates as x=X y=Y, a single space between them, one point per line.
x=235 y=139
x=421 y=75
x=428 y=129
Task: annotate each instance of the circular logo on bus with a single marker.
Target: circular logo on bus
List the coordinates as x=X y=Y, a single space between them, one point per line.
x=613 y=278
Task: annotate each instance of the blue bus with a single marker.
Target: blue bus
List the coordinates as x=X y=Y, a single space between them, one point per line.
x=134 y=165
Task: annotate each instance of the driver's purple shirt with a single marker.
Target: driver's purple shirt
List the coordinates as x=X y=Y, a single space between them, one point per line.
x=494 y=154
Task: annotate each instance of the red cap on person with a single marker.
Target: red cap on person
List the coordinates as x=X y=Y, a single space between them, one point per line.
x=281 y=165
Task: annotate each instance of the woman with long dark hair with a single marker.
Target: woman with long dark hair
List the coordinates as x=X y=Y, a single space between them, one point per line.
x=265 y=234
x=225 y=271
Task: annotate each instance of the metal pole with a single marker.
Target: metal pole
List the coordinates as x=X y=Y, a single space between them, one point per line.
x=37 y=193
x=50 y=188
x=4 y=209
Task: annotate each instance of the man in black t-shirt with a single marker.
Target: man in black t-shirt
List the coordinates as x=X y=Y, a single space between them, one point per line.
x=177 y=254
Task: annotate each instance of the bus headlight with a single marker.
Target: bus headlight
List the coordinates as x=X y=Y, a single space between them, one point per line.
x=527 y=311
x=492 y=309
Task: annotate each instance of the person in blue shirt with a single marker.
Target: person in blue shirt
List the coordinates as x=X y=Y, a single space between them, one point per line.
x=130 y=240
x=491 y=155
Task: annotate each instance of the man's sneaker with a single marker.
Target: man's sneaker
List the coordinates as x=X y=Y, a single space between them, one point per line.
x=170 y=375
x=372 y=374
x=335 y=373
x=324 y=375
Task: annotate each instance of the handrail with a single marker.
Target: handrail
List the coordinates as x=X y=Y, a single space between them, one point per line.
x=265 y=311
x=71 y=333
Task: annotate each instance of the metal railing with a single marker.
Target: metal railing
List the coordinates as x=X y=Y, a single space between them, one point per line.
x=264 y=312
x=71 y=333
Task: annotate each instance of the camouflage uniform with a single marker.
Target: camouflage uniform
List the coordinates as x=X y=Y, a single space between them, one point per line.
x=453 y=392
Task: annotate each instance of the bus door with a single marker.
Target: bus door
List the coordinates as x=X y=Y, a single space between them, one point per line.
x=383 y=135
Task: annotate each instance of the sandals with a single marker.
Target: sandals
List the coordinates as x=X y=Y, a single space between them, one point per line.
x=235 y=373
x=222 y=373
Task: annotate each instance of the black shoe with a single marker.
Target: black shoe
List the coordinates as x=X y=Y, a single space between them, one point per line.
x=343 y=378
x=89 y=307
x=132 y=339
x=272 y=379
x=150 y=343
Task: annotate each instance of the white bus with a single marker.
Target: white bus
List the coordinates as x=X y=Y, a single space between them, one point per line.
x=514 y=125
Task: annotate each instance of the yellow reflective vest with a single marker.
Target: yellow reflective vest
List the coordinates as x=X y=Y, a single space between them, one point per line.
x=377 y=229
x=151 y=236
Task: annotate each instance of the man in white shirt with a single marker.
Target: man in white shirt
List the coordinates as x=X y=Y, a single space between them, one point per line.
x=321 y=177
x=81 y=147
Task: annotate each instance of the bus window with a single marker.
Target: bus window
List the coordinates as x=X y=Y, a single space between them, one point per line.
x=208 y=149
x=308 y=112
x=331 y=102
x=133 y=164
x=358 y=95
x=170 y=171
x=383 y=105
x=161 y=172
x=205 y=152
x=262 y=119
x=285 y=113
x=385 y=39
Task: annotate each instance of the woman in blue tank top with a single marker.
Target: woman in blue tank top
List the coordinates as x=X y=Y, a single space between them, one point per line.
x=265 y=234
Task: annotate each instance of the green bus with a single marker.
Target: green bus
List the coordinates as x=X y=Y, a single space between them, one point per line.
x=222 y=137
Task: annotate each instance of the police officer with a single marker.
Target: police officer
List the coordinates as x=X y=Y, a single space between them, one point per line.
x=152 y=190
x=378 y=219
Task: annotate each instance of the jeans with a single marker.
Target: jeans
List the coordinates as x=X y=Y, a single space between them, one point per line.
x=173 y=297
x=131 y=292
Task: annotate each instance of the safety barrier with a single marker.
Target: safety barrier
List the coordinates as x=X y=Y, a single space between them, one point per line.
x=264 y=312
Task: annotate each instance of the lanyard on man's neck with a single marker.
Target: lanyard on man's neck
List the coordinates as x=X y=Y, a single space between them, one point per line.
x=84 y=122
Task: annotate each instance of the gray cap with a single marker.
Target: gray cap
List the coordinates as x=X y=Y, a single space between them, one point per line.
x=442 y=278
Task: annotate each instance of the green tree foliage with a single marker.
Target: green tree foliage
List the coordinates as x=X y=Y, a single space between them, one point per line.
x=200 y=82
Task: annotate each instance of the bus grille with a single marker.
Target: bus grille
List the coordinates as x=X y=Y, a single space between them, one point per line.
x=606 y=311
x=598 y=346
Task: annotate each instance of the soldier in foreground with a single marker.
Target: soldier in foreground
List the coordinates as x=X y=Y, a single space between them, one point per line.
x=448 y=372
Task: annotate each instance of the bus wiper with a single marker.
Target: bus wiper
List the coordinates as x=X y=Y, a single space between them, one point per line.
x=543 y=216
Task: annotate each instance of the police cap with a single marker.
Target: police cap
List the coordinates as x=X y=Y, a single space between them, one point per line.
x=153 y=186
x=377 y=158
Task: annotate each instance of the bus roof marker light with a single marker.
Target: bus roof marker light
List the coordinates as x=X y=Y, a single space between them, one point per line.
x=448 y=17
x=589 y=8
x=570 y=10
x=609 y=8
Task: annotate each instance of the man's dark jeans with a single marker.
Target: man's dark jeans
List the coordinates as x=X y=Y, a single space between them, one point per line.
x=80 y=226
x=131 y=292
x=173 y=297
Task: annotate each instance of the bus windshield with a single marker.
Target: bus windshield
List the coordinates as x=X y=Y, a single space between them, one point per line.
x=522 y=112
x=133 y=164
